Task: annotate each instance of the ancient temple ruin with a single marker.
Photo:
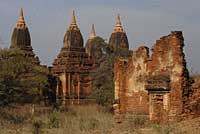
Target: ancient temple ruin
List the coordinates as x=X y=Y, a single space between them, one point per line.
x=21 y=38
x=155 y=85
x=72 y=67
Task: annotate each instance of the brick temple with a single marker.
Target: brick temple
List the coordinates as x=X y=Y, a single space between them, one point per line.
x=73 y=66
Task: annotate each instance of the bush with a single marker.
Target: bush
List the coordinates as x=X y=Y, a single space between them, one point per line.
x=54 y=121
x=13 y=117
x=37 y=126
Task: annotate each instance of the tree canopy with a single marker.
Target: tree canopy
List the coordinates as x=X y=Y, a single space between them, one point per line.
x=20 y=79
x=103 y=84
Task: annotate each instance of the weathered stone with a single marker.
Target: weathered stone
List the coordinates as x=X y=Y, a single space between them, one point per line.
x=156 y=85
x=130 y=78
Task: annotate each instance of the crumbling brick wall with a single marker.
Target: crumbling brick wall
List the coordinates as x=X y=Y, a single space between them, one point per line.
x=130 y=82
x=167 y=59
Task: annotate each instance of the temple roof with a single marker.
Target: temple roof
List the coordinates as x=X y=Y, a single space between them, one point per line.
x=73 y=37
x=72 y=57
x=118 y=39
x=20 y=36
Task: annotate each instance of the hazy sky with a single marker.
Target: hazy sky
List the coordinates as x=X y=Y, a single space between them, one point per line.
x=144 y=21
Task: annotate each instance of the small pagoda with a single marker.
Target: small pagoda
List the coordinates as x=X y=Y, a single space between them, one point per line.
x=73 y=67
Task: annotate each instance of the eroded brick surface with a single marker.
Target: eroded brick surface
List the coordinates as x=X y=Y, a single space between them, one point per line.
x=162 y=99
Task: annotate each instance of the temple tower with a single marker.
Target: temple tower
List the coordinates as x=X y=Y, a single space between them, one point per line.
x=72 y=66
x=73 y=37
x=118 y=40
x=21 y=38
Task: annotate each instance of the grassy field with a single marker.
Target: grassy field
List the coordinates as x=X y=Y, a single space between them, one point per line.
x=90 y=119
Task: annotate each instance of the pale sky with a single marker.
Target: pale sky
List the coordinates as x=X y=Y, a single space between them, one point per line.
x=145 y=21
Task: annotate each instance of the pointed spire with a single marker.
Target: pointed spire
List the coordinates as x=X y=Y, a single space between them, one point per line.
x=92 y=33
x=118 y=25
x=73 y=21
x=21 y=22
x=118 y=22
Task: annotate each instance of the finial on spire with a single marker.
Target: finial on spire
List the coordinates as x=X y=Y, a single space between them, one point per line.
x=21 y=22
x=118 y=22
x=21 y=14
x=92 y=33
x=118 y=25
x=73 y=21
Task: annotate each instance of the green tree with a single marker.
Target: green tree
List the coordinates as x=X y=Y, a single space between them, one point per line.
x=103 y=76
x=103 y=84
x=20 y=79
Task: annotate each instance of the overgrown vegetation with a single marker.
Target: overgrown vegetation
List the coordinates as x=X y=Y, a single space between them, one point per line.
x=137 y=120
x=54 y=120
x=71 y=120
x=103 y=78
x=87 y=119
x=103 y=83
x=20 y=79
x=37 y=126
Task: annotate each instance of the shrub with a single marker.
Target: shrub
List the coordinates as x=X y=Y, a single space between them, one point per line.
x=54 y=121
x=12 y=117
x=37 y=126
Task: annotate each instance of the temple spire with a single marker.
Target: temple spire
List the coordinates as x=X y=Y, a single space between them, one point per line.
x=73 y=21
x=118 y=25
x=92 y=33
x=21 y=22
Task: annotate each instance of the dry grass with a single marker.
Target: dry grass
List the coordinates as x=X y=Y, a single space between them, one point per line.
x=90 y=119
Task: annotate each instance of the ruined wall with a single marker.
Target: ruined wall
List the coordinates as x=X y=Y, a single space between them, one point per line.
x=130 y=82
x=168 y=60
